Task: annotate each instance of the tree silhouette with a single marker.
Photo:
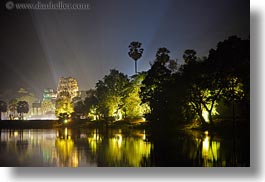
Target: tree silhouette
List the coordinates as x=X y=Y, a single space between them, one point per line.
x=22 y=107
x=190 y=56
x=3 y=108
x=135 y=52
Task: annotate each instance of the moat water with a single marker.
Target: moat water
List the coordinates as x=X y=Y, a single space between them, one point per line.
x=117 y=147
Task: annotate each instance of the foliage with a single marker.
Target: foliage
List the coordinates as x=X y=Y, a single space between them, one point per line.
x=47 y=106
x=91 y=105
x=22 y=107
x=64 y=108
x=79 y=108
x=12 y=106
x=133 y=108
x=110 y=91
x=158 y=93
x=3 y=108
x=193 y=90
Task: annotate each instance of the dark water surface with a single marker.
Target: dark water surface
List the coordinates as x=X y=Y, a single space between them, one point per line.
x=116 y=147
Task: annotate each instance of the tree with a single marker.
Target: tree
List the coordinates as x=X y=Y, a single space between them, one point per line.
x=3 y=108
x=110 y=91
x=47 y=106
x=189 y=56
x=92 y=105
x=133 y=108
x=231 y=63
x=64 y=108
x=223 y=75
x=12 y=106
x=204 y=88
x=158 y=93
x=79 y=108
x=135 y=52
x=22 y=107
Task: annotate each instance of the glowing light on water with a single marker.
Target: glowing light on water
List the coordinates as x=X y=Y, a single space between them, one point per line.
x=118 y=139
x=205 y=146
x=65 y=132
x=144 y=136
x=210 y=150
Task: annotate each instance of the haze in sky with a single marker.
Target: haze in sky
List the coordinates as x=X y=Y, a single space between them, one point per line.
x=37 y=47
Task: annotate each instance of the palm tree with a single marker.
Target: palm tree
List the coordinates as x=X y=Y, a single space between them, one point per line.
x=135 y=52
x=22 y=107
x=3 y=108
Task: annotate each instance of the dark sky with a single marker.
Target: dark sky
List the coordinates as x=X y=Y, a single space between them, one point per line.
x=37 y=47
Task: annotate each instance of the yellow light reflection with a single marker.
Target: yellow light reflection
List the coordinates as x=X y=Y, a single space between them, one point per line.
x=210 y=151
x=205 y=146
x=65 y=132
x=66 y=153
x=119 y=150
x=144 y=136
x=118 y=139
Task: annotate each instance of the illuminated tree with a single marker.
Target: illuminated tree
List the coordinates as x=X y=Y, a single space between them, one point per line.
x=133 y=107
x=64 y=108
x=47 y=106
x=22 y=108
x=223 y=75
x=3 y=108
x=135 y=52
x=231 y=62
x=110 y=91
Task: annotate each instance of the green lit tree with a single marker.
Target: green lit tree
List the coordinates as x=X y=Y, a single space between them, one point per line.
x=64 y=108
x=47 y=106
x=110 y=91
x=133 y=108
x=135 y=52
x=3 y=108
x=230 y=63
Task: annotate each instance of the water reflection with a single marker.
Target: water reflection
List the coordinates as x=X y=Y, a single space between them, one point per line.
x=73 y=148
x=119 y=149
x=210 y=151
x=115 y=147
x=195 y=148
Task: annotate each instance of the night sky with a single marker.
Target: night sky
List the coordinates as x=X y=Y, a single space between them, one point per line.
x=37 y=47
